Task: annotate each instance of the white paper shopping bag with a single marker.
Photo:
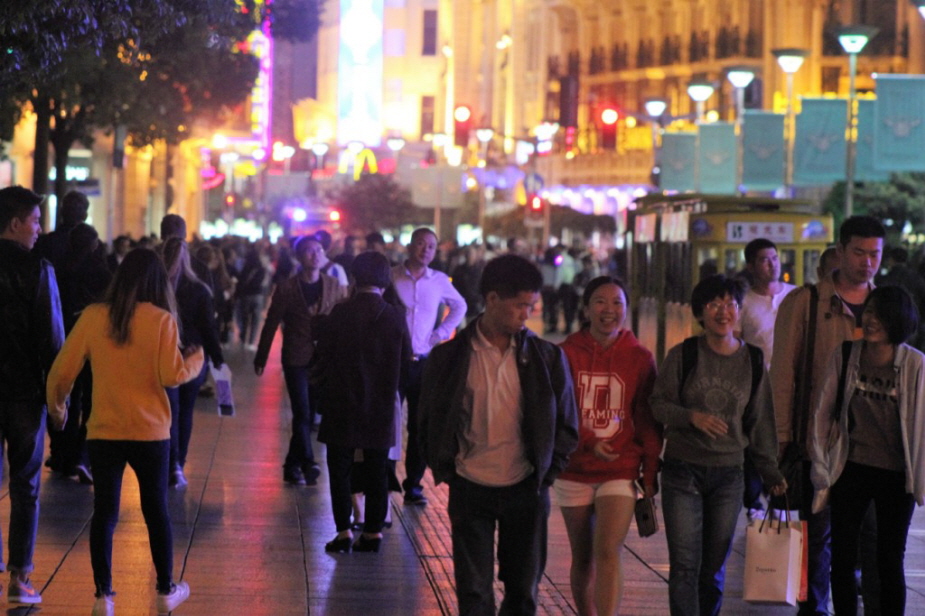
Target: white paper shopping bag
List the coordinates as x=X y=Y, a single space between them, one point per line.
x=773 y=561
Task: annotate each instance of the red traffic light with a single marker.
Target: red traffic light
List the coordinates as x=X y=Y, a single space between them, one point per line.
x=536 y=203
x=609 y=116
x=230 y=200
x=334 y=216
x=462 y=124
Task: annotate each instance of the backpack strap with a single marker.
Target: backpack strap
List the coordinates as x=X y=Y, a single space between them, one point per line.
x=802 y=399
x=842 y=378
x=688 y=361
x=757 y=359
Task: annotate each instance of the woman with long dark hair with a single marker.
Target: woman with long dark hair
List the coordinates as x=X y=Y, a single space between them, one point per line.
x=619 y=443
x=866 y=446
x=198 y=328
x=132 y=344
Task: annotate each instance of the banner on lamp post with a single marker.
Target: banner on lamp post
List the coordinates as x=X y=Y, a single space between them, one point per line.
x=899 y=123
x=717 y=158
x=865 y=169
x=820 y=147
x=678 y=159
x=763 y=150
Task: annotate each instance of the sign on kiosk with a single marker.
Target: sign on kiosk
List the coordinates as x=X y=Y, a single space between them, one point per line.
x=744 y=232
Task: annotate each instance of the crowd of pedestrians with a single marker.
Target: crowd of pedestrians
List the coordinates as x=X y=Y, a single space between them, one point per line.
x=813 y=392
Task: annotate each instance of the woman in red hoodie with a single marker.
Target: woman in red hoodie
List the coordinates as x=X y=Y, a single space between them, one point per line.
x=619 y=443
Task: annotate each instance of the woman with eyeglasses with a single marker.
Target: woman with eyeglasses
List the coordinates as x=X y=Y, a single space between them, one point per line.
x=713 y=397
x=866 y=446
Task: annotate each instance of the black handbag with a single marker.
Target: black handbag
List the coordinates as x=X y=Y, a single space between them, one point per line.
x=646 y=519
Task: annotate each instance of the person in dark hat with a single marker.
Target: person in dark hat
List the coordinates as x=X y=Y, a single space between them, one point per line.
x=364 y=351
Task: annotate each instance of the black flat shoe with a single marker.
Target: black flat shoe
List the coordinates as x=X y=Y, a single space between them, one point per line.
x=367 y=545
x=338 y=546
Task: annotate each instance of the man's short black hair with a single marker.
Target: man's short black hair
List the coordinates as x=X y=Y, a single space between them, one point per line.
x=715 y=287
x=899 y=254
x=755 y=246
x=16 y=202
x=860 y=226
x=374 y=238
x=896 y=311
x=510 y=275
x=74 y=208
x=423 y=231
x=173 y=225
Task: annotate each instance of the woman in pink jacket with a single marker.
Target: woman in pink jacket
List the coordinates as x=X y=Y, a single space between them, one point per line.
x=619 y=443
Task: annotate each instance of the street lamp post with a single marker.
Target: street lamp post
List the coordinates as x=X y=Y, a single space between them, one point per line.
x=700 y=90
x=740 y=77
x=790 y=60
x=853 y=39
x=655 y=109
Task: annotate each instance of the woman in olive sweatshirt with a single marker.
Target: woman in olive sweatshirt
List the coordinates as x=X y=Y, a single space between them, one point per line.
x=132 y=344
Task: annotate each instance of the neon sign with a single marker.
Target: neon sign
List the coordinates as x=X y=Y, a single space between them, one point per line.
x=262 y=47
x=365 y=158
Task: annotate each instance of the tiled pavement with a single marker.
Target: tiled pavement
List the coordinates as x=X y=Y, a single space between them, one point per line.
x=248 y=544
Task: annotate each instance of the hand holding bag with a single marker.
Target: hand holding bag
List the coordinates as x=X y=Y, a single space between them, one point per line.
x=646 y=519
x=223 y=395
x=774 y=560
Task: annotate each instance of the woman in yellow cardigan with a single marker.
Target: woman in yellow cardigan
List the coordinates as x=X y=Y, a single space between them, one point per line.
x=132 y=344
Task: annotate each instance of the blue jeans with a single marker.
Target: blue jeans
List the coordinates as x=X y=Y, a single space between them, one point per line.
x=300 y=452
x=520 y=514
x=182 y=401
x=249 y=310
x=701 y=507
x=819 y=531
x=856 y=488
x=149 y=460
x=22 y=434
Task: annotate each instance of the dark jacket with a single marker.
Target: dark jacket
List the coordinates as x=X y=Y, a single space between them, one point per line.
x=364 y=350
x=197 y=318
x=81 y=283
x=289 y=308
x=31 y=328
x=550 y=418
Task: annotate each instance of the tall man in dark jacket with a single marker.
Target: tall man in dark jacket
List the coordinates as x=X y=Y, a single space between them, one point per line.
x=498 y=422
x=31 y=333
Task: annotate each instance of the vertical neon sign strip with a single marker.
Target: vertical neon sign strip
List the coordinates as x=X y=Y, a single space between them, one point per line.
x=262 y=47
x=359 y=75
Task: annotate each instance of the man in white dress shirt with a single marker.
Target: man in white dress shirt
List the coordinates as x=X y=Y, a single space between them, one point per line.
x=423 y=291
x=756 y=322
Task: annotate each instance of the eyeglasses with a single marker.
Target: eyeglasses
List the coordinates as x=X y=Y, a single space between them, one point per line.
x=727 y=306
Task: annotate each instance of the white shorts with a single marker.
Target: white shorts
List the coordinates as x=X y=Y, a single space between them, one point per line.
x=577 y=494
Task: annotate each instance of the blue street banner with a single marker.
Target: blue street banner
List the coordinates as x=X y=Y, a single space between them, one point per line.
x=679 y=161
x=717 y=158
x=899 y=123
x=763 y=150
x=820 y=147
x=865 y=169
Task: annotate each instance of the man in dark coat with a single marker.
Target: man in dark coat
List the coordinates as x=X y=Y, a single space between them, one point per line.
x=31 y=333
x=498 y=421
x=365 y=351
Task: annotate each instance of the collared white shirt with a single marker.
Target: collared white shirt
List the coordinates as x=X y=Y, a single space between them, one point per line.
x=422 y=298
x=491 y=451
x=756 y=320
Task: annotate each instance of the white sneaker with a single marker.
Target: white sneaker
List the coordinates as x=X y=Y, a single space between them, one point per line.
x=168 y=603
x=104 y=606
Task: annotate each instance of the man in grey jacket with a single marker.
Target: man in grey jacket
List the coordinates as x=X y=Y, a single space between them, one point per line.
x=497 y=422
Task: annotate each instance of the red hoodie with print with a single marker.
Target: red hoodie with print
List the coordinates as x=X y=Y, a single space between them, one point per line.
x=612 y=387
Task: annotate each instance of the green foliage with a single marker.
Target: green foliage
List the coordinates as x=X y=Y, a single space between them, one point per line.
x=378 y=202
x=895 y=202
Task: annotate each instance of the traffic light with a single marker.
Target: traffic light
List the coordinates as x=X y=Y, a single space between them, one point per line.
x=231 y=200
x=609 y=117
x=462 y=117
x=535 y=206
